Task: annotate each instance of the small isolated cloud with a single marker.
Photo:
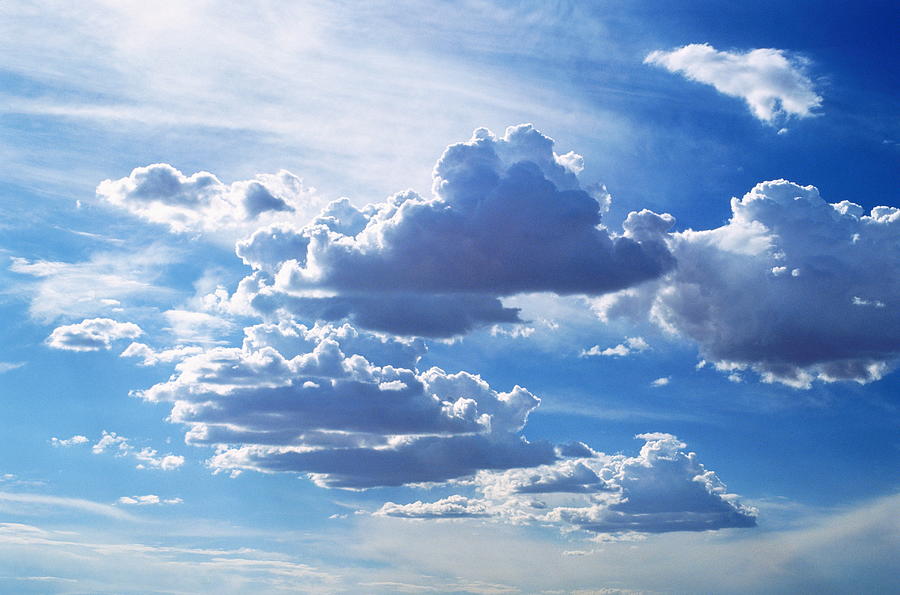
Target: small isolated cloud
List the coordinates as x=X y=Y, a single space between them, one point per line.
x=507 y=216
x=92 y=334
x=773 y=85
x=664 y=381
x=631 y=345
x=792 y=287
x=664 y=488
x=73 y=441
x=148 y=500
x=201 y=202
x=147 y=458
x=9 y=366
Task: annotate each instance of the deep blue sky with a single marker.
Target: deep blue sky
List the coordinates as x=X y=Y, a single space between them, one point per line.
x=361 y=102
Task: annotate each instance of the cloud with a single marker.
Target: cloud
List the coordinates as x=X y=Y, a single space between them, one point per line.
x=662 y=489
x=451 y=507
x=506 y=218
x=631 y=345
x=664 y=381
x=92 y=334
x=789 y=288
x=148 y=500
x=9 y=366
x=150 y=357
x=200 y=202
x=773 y=85
x=318 y=405
x=73 y=441
x=97 y=286
x=146 y=457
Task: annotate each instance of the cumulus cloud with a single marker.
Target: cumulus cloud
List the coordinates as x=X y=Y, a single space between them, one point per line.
x=313 y=400
x=508 y=216
x=66 y=442
x=148 y=500
x=92 y=334
x=664 y=488
x=201 y=202
x=631 y=345
x=773 y=85
x=146 y=457
x=790 y=287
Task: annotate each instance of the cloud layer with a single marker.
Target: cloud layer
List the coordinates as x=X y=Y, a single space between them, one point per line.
x=792 y=287
x=508 y=216
x=772 y=84
x=312 y=400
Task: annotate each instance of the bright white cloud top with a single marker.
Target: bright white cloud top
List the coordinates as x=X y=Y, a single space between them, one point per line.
x=793 y=287
x=772 y=84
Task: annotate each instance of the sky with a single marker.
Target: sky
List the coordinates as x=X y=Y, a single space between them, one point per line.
x=449 y=297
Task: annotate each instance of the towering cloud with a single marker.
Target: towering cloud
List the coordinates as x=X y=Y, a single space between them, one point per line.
x=792 y=287
x=508 y=216
x=772 y=84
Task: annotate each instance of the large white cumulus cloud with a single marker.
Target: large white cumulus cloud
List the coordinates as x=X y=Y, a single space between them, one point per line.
x=793 y=287
x=508 y=216
x=306 y=400
x=772 y=84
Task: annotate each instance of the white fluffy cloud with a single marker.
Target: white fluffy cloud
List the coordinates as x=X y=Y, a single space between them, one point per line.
x=630 y=346
x=314 y=400
x=508 y=216
x=146 y=457
x=772 y=84
x=792 y=287
x=67 y=442
x=92 y=334
x=664 y=488
x=201 y=202
x=148 y=500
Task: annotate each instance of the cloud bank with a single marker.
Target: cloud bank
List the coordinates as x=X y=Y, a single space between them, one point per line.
x=508 y=216
x=792 y=287
x=662 y=489
x=773 y=85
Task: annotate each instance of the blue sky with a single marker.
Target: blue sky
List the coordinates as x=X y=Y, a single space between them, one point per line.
x=448 y=297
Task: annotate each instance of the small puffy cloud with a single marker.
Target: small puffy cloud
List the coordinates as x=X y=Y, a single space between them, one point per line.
x=790 y=287
x=314 y=401
x=664 y=381
x=148 y=500
x=773 y=85
x=66 y=442
x=201 y=202
x=455 y=506
x=92 y=334
x=508 y=216
x=662 y=489
x=631 y=345
x=147 y=458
